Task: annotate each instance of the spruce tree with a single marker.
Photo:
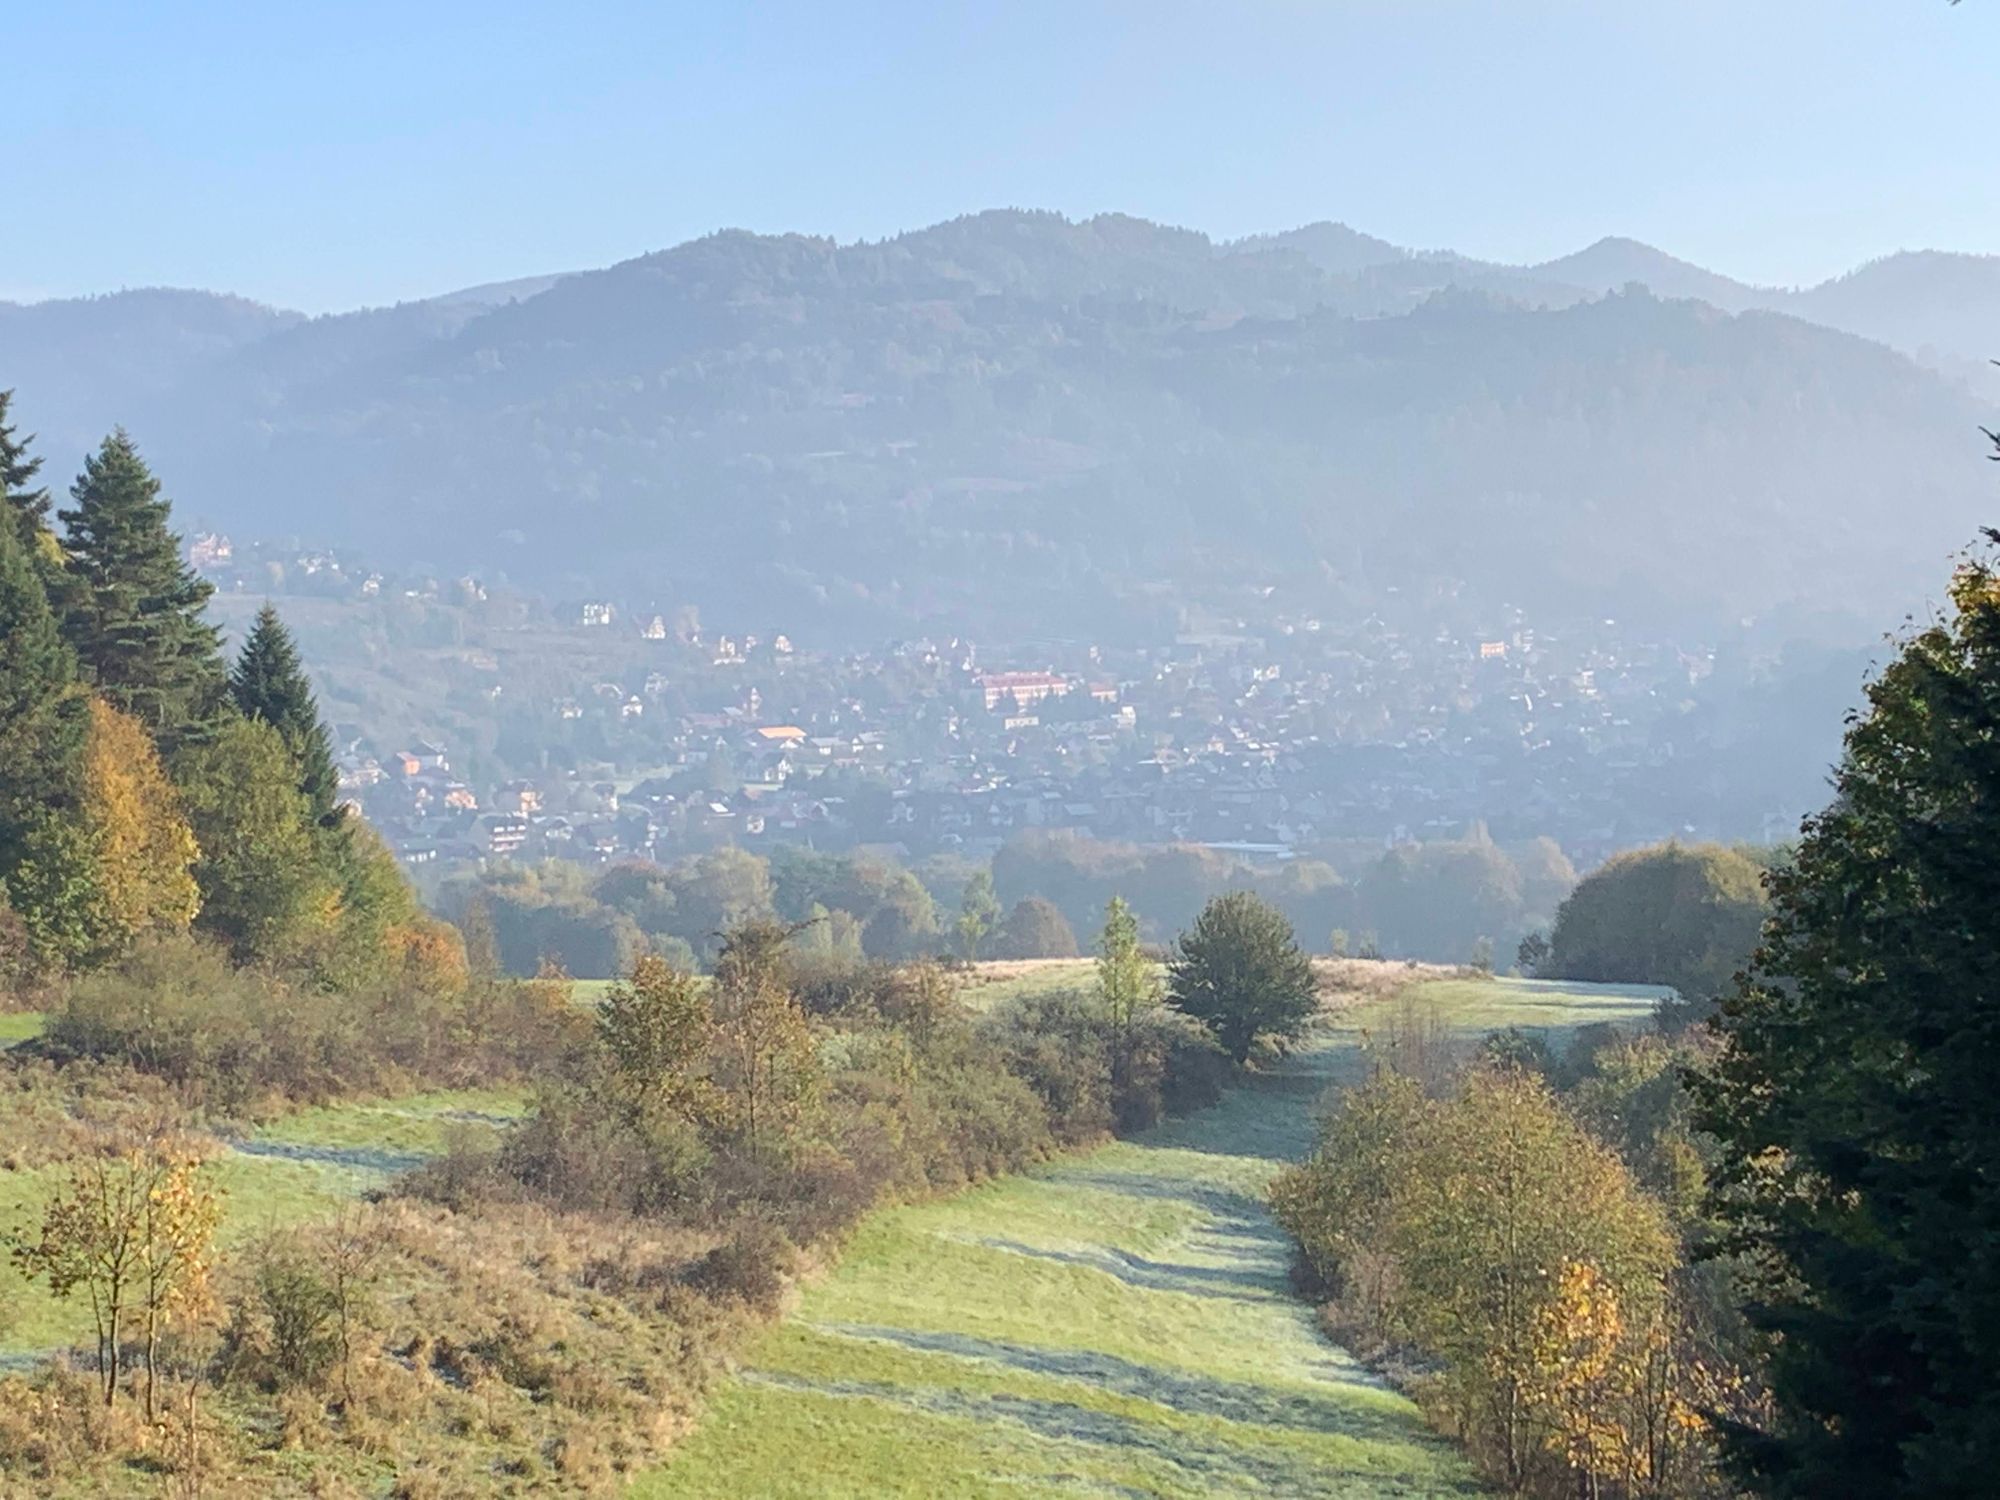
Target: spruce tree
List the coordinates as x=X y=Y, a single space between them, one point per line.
x=41 y=719
x=28 y=501
x=269 y=683
x=133 y=607
x=36 y=667
x=1855 y=1099
x=43 y=723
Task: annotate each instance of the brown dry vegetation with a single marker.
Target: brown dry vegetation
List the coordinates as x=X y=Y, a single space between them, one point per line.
x=539 y=1310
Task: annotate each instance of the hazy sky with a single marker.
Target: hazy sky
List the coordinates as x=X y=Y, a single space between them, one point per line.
x=324 y=156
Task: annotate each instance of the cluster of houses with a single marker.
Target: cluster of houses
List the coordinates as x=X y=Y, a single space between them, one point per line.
x=1268 y=739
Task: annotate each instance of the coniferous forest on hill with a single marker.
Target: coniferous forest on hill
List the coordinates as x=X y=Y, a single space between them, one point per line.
x=1014 y=416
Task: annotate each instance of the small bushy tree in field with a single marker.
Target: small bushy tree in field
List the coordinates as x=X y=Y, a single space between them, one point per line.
x=978 y=915
x=1240 y=972
x=1126 y=979
x=658 y=1032
x=767 y=1062
x=134 y=1232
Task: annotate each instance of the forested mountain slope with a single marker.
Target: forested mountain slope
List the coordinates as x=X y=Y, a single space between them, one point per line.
x=1013 y=413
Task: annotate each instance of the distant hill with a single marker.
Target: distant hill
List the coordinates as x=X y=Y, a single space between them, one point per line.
x=1017 y=422
x=1917 y=301
x=83 y=364
x=1613 y=263
x=1331 y=247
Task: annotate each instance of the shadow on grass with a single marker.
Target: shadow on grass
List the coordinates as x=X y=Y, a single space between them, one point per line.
x=1205 y=1460
x=353 y=1158
x=1254 y=1283
x=1351 y=1413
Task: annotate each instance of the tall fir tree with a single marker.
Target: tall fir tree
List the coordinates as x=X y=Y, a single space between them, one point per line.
x=46 y=868
x=1854 y=1096
x=42 y=713
x=27 y=501
x=133 y=609
x=269 y=683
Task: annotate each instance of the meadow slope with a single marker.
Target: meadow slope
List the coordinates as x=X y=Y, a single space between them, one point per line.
x=1116 y=1324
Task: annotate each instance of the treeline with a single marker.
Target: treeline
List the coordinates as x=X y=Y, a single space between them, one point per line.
x=150 y=787
x=1516 y=1232
x=1464 y=901
x=1453 y=900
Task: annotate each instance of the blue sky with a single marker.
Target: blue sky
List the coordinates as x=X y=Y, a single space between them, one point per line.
x=324 y=157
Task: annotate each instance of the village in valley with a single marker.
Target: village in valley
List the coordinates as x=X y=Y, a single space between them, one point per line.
x=597 y=732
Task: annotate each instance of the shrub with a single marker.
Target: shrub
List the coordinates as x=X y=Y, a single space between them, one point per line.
x=750 y=1266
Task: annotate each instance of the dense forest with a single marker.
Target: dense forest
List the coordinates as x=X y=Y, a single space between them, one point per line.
x=1012 y=415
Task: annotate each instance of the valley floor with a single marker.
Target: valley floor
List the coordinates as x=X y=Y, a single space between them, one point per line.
x=1117 y=1324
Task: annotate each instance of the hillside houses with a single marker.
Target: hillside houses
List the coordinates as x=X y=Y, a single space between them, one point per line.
x=1271 y=737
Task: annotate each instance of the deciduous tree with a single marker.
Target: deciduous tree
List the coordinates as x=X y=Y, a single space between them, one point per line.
x=767 y=1058
x=1128 y=981
x=1240 y=972
x=263 y=890
x=978 y=914
x=143 y=850
x=658 y=1031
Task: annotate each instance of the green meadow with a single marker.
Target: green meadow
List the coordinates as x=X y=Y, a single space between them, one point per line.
x=1117 y=1324
x=297 y=1168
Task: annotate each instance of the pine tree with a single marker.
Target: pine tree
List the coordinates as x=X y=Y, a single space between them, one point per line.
x=36 y=668
x=43 y=721
x=134 y=612
x=1854 y=1098
x=268 y=683
x=28 y=501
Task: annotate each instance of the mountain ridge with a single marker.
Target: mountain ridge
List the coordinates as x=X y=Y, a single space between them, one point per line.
x=1014 y=411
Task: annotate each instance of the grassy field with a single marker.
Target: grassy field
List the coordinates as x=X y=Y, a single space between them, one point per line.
x=19 y=1026
x=987 y=985
x=300 y=1167
x=1117 y=1324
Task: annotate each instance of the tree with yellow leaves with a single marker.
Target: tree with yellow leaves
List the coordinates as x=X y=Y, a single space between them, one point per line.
x=135 y=1231
x=143 y=849
x=767 y=1059
x=1582 y=1380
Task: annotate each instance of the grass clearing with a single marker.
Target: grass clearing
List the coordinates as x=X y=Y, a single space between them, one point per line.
x=17 y=1026
x=984 y=986
x=1118 y=1323
x=301 y=1167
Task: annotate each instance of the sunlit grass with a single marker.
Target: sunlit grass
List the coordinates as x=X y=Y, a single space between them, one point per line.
x=1118 y=1323
x=296 y=1169
x=20 y=1026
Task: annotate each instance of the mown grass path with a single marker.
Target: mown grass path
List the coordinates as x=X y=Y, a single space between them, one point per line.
x=1117 y=1324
